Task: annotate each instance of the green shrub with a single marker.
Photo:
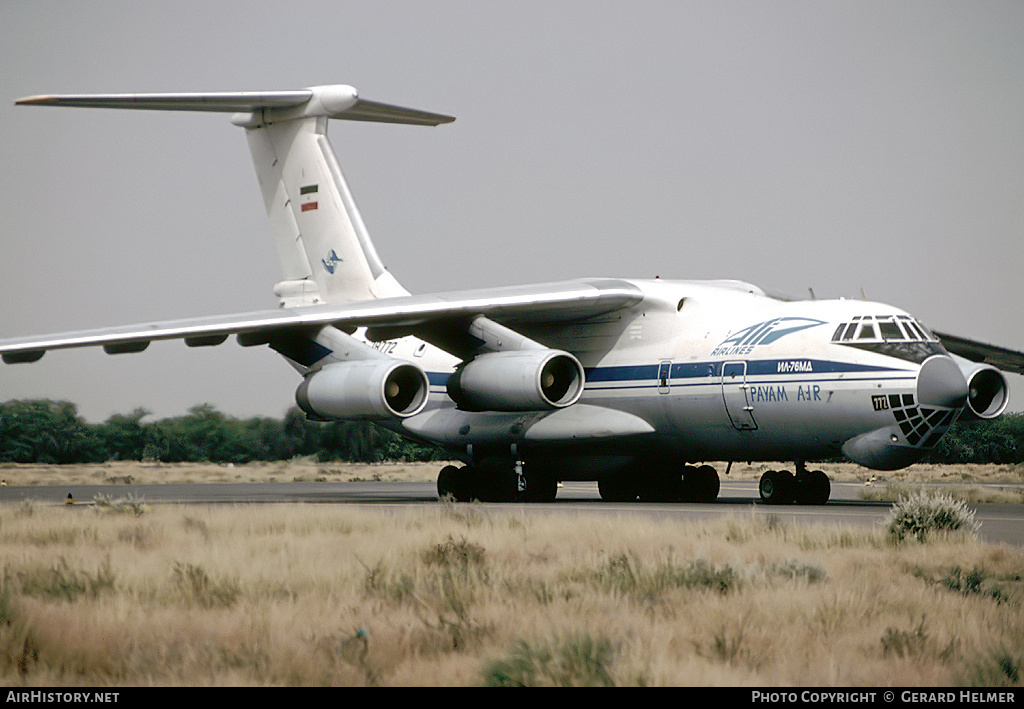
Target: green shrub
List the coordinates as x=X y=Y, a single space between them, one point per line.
x=577 y=661
x=920 y=515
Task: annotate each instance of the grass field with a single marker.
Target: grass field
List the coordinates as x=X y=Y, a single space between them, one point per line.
x=303 y=469
x=455 y=595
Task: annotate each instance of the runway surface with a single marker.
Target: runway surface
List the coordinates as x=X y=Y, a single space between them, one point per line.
x=1000 y=523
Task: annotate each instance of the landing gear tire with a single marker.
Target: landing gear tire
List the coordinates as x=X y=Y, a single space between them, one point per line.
x=776 y=487
x=494 y=484
x=701 y=484
x=618 y=488
x=456 y=483
x=498 y=486
x=813 y=488
x=540 y=488
x=662 y=486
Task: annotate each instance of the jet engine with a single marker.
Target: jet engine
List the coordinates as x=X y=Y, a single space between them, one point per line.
x=987 y=391
x=365 y=389
x=517 y=380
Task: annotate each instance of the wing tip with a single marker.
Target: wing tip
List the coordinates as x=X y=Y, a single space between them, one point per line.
x=35 y=100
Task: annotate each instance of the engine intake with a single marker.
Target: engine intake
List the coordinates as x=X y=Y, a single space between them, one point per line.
x=987 y=391
x=367 y=389
x=517 y=380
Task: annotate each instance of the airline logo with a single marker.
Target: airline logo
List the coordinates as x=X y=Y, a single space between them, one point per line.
x=744 y=341
x=331 y=262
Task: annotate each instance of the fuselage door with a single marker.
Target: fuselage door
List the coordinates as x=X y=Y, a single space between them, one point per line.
x=664 y=377
x=736 y=394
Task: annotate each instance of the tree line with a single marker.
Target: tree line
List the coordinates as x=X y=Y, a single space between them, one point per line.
x=52 y=432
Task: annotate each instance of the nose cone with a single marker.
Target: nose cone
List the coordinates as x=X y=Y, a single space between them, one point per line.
x=941 y=383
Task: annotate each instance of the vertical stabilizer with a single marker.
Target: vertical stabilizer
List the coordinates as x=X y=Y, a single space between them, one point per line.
x=316 y=225
x=324 y=248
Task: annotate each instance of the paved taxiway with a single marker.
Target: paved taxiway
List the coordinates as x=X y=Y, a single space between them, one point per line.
x=1000 y=523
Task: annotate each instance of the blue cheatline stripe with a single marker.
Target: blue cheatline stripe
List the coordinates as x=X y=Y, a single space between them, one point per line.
x=438 y=378
x=703 y=370
x=622 y=373
x=646 y=375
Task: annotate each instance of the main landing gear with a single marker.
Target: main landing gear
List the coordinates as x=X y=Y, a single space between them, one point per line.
x=502 y=481
x=662 y=483
x=496 y=482
x=781 y=487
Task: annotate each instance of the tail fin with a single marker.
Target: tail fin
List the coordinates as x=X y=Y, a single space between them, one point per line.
x=324 y=247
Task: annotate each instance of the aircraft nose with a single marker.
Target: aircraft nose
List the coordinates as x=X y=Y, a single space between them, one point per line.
x=941 y=383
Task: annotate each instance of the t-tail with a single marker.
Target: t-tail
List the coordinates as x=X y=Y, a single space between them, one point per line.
x=323 y=245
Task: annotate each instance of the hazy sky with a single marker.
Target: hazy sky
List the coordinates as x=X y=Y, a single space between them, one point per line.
x=848 y=147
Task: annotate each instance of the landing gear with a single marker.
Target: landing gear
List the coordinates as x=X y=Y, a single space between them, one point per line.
x=781 y=487
x=618 y=488
x=501 y=480
x=700 y=484
x=813 y=488
x=496 y=482
x=455 y=483
x=662 y=483
x=776 y=487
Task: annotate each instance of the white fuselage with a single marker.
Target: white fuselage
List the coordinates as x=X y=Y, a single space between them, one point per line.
x=718 y=371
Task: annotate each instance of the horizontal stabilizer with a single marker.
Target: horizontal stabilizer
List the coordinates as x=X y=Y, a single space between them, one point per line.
x=232 y=102
x=336 y=101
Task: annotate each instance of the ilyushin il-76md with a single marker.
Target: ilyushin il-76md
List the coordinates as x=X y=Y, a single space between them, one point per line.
x=641 y=385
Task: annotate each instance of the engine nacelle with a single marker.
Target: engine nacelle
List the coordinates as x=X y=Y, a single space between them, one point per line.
x=517 y=380
x=987 y=390
x=366 y=389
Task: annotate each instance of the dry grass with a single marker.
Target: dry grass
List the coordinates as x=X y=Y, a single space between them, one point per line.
x=310 y=470
x=463 y=595
x=130 y=472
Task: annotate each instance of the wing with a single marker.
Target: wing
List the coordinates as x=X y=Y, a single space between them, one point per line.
x=546 y=303
x=998 y=357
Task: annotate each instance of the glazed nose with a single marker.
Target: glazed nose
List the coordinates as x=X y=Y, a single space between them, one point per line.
x=941 y=383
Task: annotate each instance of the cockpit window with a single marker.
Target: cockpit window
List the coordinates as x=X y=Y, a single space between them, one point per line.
x=891 y=331
x=866 y=331
x=882 y=328
x=914 y=331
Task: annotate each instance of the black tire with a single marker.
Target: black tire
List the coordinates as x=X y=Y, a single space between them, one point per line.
x=661 y=486
x=617 y=488
x=498 y=486
x=453 y=482
x=813 y=488
x=776 y=488
x=702 y=484
x=540 y=488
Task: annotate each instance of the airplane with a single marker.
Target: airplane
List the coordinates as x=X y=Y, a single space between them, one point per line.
x=639 y=385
